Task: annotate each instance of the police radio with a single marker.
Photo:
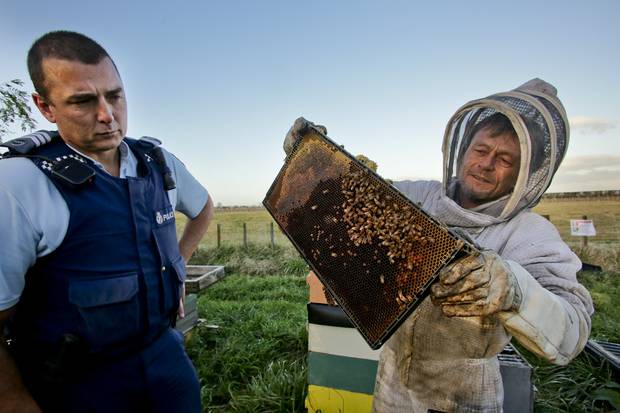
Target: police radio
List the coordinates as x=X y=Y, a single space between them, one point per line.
x=71 y=171
x=166 y=174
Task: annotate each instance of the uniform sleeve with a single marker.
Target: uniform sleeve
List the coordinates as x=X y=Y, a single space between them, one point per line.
x=190 y=196
x=553 y=319
x=18 y=239
x=33 y=222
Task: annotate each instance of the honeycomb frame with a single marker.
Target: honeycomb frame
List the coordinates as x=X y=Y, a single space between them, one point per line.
x=319 y=199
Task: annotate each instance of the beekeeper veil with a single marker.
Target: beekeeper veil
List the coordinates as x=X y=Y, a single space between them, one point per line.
x=540 y=122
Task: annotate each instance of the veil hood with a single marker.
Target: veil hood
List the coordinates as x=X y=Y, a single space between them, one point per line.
x=539 y=119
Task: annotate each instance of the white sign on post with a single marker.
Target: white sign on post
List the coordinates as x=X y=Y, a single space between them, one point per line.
x=582 y=227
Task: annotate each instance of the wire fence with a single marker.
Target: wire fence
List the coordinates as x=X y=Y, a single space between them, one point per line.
x=268 y=233
x=244 y=233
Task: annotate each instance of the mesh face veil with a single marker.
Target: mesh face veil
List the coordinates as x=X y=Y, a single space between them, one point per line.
x=538 y=118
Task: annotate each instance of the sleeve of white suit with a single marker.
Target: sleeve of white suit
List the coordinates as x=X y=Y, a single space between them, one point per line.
x=545 y=323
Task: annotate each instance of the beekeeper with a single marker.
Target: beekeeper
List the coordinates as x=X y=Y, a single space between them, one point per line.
x=500 y=154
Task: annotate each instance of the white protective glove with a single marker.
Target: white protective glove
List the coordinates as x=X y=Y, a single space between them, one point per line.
x=297 y=131
x=478 y=285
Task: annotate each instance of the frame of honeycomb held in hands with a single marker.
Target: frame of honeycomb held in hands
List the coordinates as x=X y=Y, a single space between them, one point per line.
x=375 y=251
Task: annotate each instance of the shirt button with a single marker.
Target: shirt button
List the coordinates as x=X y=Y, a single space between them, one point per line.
x=163 y=268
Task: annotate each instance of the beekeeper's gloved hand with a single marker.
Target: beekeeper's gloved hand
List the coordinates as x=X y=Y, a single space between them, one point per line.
x=478 y=285
x=297 y=131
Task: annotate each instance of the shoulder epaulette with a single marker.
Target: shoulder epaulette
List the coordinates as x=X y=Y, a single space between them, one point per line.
x=27 y=143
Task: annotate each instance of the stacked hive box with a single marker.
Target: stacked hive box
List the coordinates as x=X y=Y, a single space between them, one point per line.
x=341 y=365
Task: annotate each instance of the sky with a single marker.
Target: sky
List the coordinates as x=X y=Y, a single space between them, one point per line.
x=220 y=82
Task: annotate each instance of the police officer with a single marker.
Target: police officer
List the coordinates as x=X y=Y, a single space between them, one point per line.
x=91 y=273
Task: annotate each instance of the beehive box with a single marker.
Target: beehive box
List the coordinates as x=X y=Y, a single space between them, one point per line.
x=202 y=276
x=375 y=251
x=187 y=323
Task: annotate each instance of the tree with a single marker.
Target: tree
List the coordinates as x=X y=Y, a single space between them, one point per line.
x=14 y=108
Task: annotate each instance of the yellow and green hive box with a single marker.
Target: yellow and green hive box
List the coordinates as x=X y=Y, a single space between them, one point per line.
x=341 y=365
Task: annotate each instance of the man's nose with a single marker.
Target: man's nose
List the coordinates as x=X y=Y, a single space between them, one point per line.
x=105 y=113
x=487 y=163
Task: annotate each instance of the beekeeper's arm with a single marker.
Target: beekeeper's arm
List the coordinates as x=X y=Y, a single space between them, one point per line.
x=542 y=321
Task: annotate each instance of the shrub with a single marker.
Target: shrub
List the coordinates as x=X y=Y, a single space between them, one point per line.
x=255 y=259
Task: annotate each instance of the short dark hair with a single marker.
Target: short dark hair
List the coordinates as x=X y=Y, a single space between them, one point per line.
x=62 y=44
x=496 y=124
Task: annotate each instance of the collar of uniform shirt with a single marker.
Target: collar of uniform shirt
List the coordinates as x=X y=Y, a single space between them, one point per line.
x=129 y=162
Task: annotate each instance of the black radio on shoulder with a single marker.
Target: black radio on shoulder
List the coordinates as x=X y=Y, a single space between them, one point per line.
x=72 y=172
x=68 y=170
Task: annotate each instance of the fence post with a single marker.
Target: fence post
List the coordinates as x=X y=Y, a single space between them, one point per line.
x=584 y=239
x=219 y=235
x=245 y=235
x=272 y=235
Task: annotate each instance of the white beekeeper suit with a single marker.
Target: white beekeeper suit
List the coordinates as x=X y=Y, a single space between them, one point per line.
x=449 y=363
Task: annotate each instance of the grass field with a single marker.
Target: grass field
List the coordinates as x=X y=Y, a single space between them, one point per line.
x=603 y=250
x=604 y=212
x=231 y=222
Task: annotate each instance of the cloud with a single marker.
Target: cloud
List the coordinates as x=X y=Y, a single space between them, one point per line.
x=587 y=173
x=590 y=125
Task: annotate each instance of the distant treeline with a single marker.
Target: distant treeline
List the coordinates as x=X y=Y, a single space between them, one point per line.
x=223 y=208
x=555 y=195
x=583 y=194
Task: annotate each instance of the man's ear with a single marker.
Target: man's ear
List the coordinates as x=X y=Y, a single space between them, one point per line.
x=44 y=107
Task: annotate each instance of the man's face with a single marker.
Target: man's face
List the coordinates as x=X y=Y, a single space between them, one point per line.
x=87 y=103
x=489 y=168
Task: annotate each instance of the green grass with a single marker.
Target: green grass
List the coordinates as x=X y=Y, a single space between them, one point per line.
x=233 y=359
x=605 y=291
x=255 y=259
x=250 y=352
x=572 y=388
x=280 y=388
